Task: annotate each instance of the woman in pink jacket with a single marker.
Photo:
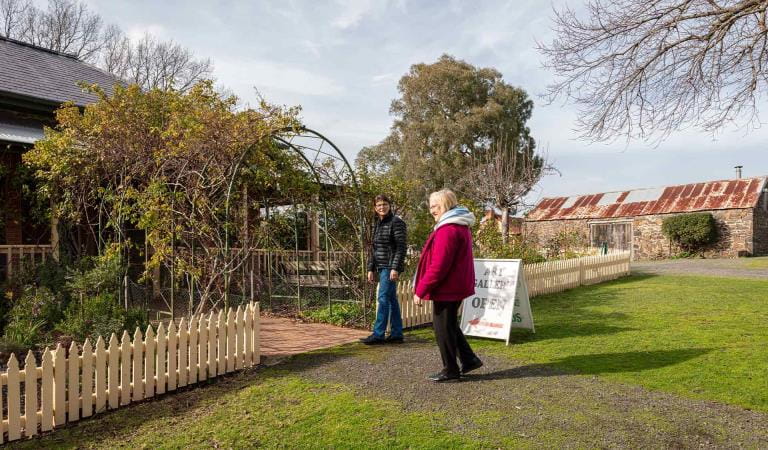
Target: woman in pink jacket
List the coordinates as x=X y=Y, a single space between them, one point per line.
x=446 y=275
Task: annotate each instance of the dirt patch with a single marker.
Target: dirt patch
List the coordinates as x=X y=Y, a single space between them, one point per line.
x=534 y=405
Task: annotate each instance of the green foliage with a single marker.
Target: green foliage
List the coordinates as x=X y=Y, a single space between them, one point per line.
x=448 y=112
x=693 y=232
x=94 y=275
x=8 y=346
x=99 y=315
x=566 y=244
x=340 y=315
x=185 y=167
x=32 y=316
x=489 y=244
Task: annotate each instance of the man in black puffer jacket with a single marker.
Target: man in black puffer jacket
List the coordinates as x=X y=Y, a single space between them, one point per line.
x=387 y=261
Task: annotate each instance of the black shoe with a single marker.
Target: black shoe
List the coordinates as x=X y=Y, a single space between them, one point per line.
x=474 y=364
x=441 y=377
x=394 y=340
x=372 y=340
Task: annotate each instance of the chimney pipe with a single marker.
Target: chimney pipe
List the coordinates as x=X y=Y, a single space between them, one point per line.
x=738 y=171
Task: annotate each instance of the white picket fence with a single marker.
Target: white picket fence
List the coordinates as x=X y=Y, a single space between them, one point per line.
x=542 y=278
x=557 y=276
x=68 y=387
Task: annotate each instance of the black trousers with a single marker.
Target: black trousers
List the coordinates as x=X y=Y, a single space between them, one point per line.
x=450 y=339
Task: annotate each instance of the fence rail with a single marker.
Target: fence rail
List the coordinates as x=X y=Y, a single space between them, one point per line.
x=76 y=384
x=16 y=255
x=542 y=278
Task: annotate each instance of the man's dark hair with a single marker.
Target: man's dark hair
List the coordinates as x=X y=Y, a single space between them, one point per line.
x=382 y=198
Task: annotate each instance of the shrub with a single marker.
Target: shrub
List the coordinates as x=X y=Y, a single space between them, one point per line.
x=49 y=275
x=490 y=244
x=96 y=274
x=343 y=314
x=8 y=346
x=32 y=316
x=566 y=244
x=692 y=232
x=99 y=315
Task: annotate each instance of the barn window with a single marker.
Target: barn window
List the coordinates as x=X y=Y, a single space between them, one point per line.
x=617 y=235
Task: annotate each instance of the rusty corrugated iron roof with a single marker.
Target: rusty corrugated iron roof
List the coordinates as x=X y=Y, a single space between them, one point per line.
x=725 y=194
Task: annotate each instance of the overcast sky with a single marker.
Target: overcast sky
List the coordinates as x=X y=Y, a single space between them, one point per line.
x=341 y=60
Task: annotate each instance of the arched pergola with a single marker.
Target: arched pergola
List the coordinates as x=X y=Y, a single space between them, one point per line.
x=326 y=264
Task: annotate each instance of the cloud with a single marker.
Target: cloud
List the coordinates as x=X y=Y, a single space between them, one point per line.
x=384 y=78
x=136 y=32
x=243 y=75
x=352 y=12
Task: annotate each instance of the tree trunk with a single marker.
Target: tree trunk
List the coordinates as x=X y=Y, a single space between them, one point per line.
x=505 y=225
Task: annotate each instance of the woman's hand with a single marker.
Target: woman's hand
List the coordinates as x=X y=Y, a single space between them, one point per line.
x=417 y=300
x=370 y=277
x=393 y=275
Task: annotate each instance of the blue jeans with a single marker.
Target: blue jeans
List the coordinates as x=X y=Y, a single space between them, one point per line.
x=389 y=308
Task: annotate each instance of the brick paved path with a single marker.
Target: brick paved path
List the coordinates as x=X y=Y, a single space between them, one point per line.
x=284 y=337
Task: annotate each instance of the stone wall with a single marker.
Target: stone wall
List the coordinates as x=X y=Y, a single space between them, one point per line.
x=735 y=227
x=761 y=227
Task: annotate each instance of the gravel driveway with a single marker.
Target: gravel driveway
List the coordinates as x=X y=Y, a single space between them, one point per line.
x=739 y=268
x=535 y=404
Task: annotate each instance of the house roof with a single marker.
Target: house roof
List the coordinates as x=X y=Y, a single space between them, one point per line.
x=46 y=76
x=724 y=194
x=22 y=133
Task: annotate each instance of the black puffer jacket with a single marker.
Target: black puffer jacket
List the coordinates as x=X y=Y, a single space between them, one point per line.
x=389 y=244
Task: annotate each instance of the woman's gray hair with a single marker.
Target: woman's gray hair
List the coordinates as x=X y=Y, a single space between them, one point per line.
x=445 y=197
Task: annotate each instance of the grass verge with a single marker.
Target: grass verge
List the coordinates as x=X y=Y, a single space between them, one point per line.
x=702 y=337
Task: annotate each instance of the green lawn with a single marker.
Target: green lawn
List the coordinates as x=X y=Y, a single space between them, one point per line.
x=272 y=409
x=696 y=336
x=756 y=263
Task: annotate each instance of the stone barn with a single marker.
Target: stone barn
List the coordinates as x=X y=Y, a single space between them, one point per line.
x=631 y=220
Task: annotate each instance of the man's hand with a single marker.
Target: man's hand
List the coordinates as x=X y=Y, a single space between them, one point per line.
x=417 y=300
x=393 y=275
x=370 y=277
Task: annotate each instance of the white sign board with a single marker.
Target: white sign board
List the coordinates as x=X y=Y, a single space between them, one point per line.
x=500 y=302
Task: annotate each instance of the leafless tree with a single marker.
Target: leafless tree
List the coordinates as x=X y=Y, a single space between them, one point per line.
x=503 y=174
x=154 y=64
x=68 y=26
x=642 y=68
x=13 y=17
x=65 y=26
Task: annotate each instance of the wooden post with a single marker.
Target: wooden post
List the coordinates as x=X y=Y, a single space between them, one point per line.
x=14 y=399
x=202 y=354
x=59 y=386
x=240 y=341
x=221 y=339
x=87 y=379
x=125 y=369
x=183 y=352
x=114 y=372
x=231 y=340
x=137 y=386
x=46 y=392
x=73 y=384
x=248 y=335
x=212 y=336
x=256 y=331
x=194 y=330
x=150 y=380
x=30 y=395
x=172 y=367
x=162 y=339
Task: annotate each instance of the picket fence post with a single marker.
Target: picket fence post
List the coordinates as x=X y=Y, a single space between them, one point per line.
x=77 y=382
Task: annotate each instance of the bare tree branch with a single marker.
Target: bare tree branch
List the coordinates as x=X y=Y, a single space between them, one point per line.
x=647 y=68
